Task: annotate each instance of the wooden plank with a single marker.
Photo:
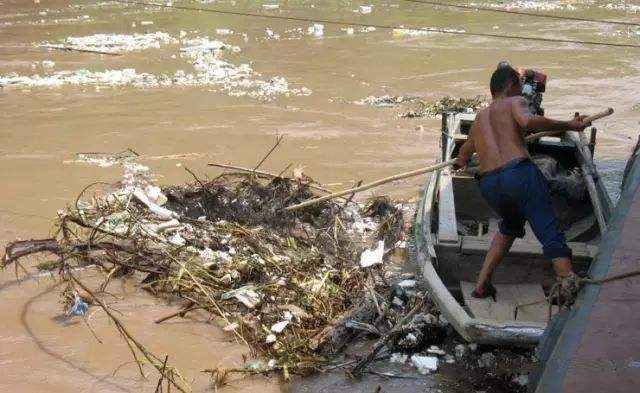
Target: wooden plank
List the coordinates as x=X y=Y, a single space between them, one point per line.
x=447 y=226
x=508 y=298
x=503 y=309
x=527 y=294
x=529 y=236
x=480 y=246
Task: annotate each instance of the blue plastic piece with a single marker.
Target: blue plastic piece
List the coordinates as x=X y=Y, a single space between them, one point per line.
x=79 y=307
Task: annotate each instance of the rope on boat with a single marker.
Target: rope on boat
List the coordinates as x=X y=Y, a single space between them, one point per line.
x=381 y=26
x=565 y=290
x=531 y=14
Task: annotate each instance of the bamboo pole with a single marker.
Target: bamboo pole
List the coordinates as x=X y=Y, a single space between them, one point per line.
x=427 y=169
x=376 y=183
x=587 y=120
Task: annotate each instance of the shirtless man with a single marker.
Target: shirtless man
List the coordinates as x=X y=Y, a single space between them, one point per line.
x=509 y=181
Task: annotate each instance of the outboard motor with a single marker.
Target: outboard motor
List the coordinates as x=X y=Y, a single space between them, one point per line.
x=533 y=85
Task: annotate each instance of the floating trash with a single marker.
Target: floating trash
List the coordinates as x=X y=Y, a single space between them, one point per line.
x=117 y=43
x=425 y=364
x=79 y=306
x=365 y=9
x=279 y=281
x=203 y=54
x=413 y=106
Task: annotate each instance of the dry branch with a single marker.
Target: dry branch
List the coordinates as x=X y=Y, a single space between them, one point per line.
x=362 y=364
x=263 y=173
x=171 y=374
x=279 y=139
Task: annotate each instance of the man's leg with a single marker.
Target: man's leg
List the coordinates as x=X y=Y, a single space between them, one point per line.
x=539 y=212
x=499 y=247
x=562 y=266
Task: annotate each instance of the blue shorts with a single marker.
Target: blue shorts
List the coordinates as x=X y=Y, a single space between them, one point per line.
x=518 y=192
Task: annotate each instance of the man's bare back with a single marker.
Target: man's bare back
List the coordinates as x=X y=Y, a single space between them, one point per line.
x=497 y=136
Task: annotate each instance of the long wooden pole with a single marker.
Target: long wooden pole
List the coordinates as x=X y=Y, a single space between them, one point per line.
x=376 y=183
x=427 y=169
x=587 y=120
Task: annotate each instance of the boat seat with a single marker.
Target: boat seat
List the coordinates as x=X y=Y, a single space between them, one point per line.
x=512 y=303
x=528 y=232
x=473 y=245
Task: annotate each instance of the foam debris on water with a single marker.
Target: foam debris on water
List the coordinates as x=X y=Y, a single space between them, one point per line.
x=107 y=78
x=551 y=5
x=365 y=9
x=622 y=6
x=626 y=33
x=205 y=55
x=317 y=30
x=385 y=100
x=413 y=107
x=236 y=80
x=117 y=43
x=425 y=31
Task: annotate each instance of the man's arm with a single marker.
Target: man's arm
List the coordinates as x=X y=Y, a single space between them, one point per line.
x=464 y=154
x=535 y=123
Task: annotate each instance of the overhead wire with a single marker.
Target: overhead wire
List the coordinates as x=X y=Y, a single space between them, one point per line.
x=523 y=13
x=379 y=25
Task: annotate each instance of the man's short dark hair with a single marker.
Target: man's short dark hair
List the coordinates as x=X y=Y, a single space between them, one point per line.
x=501 y=78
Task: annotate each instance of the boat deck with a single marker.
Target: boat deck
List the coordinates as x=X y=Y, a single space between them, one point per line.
x=519 y=302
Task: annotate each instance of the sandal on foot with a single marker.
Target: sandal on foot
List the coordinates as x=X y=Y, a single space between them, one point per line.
x=489 y=290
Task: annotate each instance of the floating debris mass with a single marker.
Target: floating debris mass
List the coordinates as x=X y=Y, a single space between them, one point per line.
x=204 y=54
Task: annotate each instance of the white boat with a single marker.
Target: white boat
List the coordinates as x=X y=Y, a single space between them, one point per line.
x=455 y=226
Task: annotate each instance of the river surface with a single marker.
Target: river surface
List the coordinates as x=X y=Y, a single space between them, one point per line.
x=174 y=122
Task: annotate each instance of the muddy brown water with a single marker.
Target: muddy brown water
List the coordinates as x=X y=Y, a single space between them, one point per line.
x=337 y=142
